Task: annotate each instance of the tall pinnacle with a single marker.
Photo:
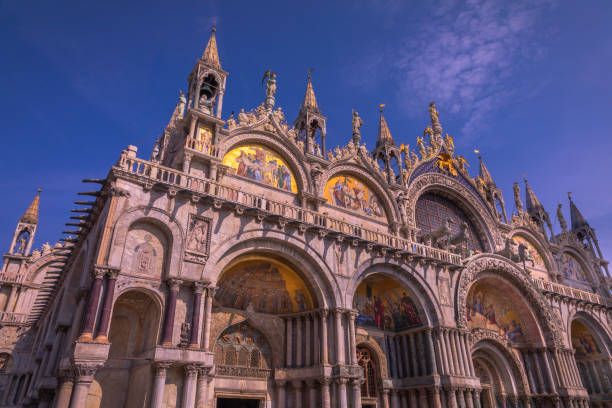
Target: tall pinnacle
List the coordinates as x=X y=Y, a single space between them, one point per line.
x=211 y=54
x=484 y=173
x=577 y=219
x=31 y=214
x=384 y=135
x=310 y=101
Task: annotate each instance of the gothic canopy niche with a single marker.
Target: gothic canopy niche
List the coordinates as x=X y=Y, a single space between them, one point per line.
x=267 y=285
x=350 y=193
x=434 y=211
x=384 y=304
x=261 y=164
x=241 y=350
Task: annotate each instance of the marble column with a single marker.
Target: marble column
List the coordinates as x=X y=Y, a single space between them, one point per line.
x=353 y=345
x=422 y=353
x=413 y=397
x=385 y=398
x=202 y=393
x=189 y=386
x=404 y=399
x=325 y=399
x=405 y=356
x=280 y=392
x=84 y=375
x=469 y=402
x=307 y=341
x=442 y=351
x=198 y=288
x=173 y=289
x=324 y=352
x=457 y=352
x=549 y=374
x=435 y=397
x=538 y=370
x=342 y=401
x=530 y=371
x=392 y=357
x=297 y=393
x=8 y=307
x=65 y=379
x=312 y=394
x=477 y=399
x=560 y=372
x=432 y=353
x=451 y=398
x=159 y=382
x=92 y=306
x=298 y=342
x=316 y=356
x=210 y=295
x=449 y=353
x=356 y=386
x=289 y=341
x=395 y=399
x=460 y=398
x=423 y=397
x=107 y=306
x=464 y=353
x=339 y=338
x=413 y=357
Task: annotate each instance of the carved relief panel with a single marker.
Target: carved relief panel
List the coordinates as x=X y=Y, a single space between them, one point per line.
x=145 y=250
x=198 y=239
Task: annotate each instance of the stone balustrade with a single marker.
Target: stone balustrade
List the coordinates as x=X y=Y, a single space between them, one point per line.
x=284 y=212
x=573 y=293
x=200 y=147
x=11 y=318
x=14 y=278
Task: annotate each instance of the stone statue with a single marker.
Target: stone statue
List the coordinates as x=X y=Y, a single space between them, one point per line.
x=243 y=119
x=21 y=244
x=231 y=122
x=433 y=113
x=270 y=84
x=517 y=198
x=561 y=218
x=182 y=103
x=357 y=123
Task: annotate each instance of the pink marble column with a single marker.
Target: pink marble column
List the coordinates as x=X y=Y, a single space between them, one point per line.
x=325 y=398
x=352 y=343
x=173 y=289
x=339 y=338
x=159 y=382
x=280 y=393
x=307 y=341
x=202 y=394
x=107 y=306
x=289 y=341
x=299 y=347
x=297 y=387
x=92 y=306
x=324 y=353
x=210 y=295
x=198 y=288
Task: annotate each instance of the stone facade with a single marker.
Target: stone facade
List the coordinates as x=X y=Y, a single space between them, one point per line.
x=244 y=265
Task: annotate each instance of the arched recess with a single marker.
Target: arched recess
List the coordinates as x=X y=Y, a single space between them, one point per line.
x=428 y=309
x=369 y=361
x=134 y=329
x=546 y=264
x=592 y=351
x=574 y=270
x=499 y=371
x=384 y=196
x=472 y=206
x=491 y=266
x=285 y=151
x=162 y=221
x=242 y=350
x=291 y=250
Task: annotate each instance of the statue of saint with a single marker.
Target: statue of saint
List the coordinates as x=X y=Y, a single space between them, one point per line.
x=357 y=123
x=517 y=197
x=561 y=218
x=270 y=84
x=433 y=113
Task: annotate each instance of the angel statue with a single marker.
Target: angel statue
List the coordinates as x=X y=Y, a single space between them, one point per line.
x=517 y=198
x=357 y=123
x=270 y=84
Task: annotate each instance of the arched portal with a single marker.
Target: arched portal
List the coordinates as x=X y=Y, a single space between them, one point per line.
x=126 y=377
x=495 y=371
x=592 y=354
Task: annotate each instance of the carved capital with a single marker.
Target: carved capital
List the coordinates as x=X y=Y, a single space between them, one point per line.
x=297 y=384
x=174 y=284
x=198 y=287
x=210 y=291
x=324 y=313
x=161 y=368
x=85 y=371
x=191 y=370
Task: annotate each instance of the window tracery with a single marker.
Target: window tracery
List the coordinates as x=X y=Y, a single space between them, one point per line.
x=369 y=388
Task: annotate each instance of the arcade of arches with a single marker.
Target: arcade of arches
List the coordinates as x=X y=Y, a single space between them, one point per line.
x=246 y=265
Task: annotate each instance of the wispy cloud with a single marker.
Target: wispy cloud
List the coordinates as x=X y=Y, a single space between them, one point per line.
x=467 y=57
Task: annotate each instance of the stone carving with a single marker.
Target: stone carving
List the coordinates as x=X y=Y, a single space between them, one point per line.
x=517 y=197
x=145 y=256
x=199 y=234
x=561 y=218
x=444 y=291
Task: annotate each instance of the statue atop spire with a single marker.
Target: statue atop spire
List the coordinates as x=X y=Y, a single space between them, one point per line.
x=517 y=198
x=211 y=53
x=270 y=88
x=357 y=123
x=561 y=218
x=435 y=121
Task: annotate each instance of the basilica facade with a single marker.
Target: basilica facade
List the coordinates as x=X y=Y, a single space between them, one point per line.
x=247 y=264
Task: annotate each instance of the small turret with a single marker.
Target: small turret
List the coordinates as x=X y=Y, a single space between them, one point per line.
x=310 y=123
x=26 y=229
x=387 y=151
x=493 y=193
x=536 y=210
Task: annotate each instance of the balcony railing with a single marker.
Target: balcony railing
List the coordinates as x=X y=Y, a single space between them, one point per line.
x=13 y=318
x=12 y=277
x=573 y=293
x=290 y=213
x=201 y=146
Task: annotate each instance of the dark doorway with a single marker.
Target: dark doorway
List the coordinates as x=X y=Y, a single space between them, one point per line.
x=237 y=403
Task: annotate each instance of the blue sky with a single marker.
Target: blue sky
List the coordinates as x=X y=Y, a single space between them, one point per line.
x=529 y=84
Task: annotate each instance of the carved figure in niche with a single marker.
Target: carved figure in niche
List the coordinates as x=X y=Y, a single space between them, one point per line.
x=22 y=240
x=145 y=256
x=198 y=240
x=185 y=329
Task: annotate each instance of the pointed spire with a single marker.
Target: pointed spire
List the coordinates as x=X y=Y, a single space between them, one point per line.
x=211 y=54
x=384 y=135
x=531 y=201
x=31 y=214
x=577 y=219
x=484 y=173
x=310 y=101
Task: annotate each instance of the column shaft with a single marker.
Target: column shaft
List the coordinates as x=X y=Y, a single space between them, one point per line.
x=195 y=316
x=159 y=382
x=210 y=294
x=324 y=352
x=298 y=342
x=289 y=341
x=92 y=306
x=307 y=341
x=339 y=338
x=353 y=344
x=170 y=312
x=107 y=306
x=202 y=393
x=189 y=386
x=325 y=399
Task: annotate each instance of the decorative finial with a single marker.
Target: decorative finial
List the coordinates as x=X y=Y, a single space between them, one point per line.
x=569 y=195
x=40 y=189
x=310 y=70
x=524 y=178
x=382 y=105
x=214 y=26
